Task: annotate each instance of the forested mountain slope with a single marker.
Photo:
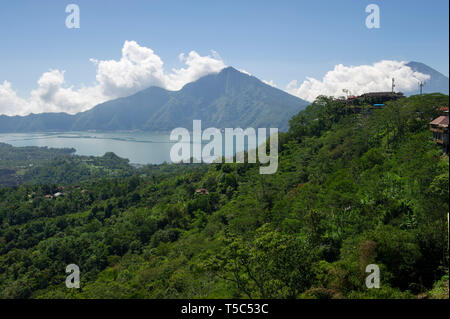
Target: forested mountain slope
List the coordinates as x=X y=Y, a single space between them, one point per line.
x=351 y=190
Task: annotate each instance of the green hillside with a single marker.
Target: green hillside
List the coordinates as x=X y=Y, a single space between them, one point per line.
x=352 y=189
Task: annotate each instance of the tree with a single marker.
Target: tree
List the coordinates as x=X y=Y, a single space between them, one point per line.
x=272 y=265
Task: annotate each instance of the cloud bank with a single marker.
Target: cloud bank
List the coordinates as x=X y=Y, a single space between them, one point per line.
x=138 y=68
x=358 y=80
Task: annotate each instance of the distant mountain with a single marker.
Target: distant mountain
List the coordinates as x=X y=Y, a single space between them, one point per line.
x=437 y=83
x=36 y=122
x=226 y=99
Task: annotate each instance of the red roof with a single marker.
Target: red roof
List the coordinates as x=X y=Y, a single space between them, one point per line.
x=441 y=121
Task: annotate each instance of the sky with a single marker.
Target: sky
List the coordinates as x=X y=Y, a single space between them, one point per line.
x=302 y=46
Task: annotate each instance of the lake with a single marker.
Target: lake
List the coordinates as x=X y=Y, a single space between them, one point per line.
x=138 y=147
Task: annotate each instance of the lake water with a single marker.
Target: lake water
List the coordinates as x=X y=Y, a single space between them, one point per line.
x=138 y=147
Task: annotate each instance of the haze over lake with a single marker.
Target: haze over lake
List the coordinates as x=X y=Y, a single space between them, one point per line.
x=138 y=147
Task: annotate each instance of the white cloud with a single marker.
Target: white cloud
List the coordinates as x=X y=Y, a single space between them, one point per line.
x=49 y=96
x=271 y=83
x=245 y=72
x=197 y=66
x=138 y=68
x=9 y=101
x=359 y=79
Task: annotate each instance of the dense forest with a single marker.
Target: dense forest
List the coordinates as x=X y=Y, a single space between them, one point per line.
x=353 y=188
x=41 y=165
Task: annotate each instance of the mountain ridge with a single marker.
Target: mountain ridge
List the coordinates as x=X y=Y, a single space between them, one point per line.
x=229 y=98
x=438 y=82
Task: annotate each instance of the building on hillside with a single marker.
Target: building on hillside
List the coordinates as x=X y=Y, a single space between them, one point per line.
x=380 y=97
x=371 y=101
x=439 y=127
x=202 y=191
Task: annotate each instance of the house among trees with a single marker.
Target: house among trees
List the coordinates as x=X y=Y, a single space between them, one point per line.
x=202 y=191
x=380 y=97
x=375 y=100
x=439 y=127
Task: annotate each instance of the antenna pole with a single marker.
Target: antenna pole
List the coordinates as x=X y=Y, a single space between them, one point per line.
x=421 y=86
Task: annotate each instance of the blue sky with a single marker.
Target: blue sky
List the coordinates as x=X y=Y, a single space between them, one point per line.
x=273 y=40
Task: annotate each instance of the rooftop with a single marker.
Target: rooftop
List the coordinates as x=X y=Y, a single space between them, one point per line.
x=441 y=121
